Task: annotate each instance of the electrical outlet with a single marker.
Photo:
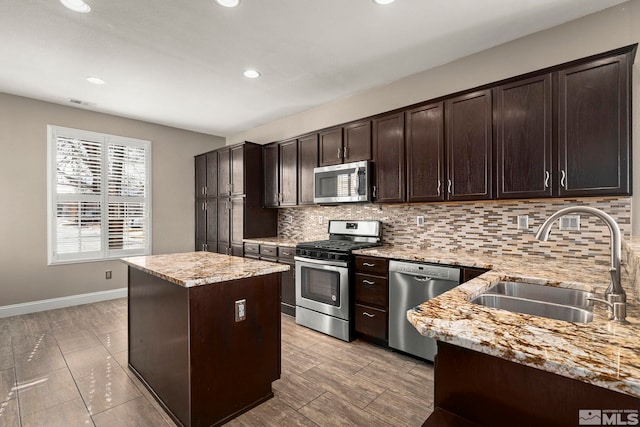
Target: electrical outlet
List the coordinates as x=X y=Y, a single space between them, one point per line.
x=523 y=222
x=570 y=222
x=289 y=219
x=320 y=219
x=107 y=274
x=241 y=310
x=420 y=220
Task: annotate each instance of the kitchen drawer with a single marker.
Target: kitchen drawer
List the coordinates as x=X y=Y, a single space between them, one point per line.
x=285 y=253
x=269 y=251
x=372 y=290
x=371 y=321
x=372 y=265
x=251 y=248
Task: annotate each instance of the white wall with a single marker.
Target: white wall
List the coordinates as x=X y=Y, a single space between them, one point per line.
x=612 y=28
x=24 y=274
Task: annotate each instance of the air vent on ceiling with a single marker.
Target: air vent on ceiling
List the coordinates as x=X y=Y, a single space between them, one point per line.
x=81 y=102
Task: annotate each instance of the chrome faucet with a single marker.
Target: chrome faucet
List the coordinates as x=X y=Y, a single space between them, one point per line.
x=614 y=294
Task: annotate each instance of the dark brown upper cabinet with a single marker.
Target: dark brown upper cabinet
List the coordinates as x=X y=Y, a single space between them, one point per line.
x=224 y=172
x=281 y=174
x=524 y=138
x=468 y=137
x=201 y=175
x=288 y=172
x=307 y=160
x=271 y=190
x=593 y=128
x=388 y=157
x=349 y=143
x=330 y=146
x=207 y=175
x=424 y=133
x=237 y=170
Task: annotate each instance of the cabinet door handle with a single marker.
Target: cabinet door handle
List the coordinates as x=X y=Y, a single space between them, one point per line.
x=345 y=151
x=563 y=178
x=204 y=207
x=449 y=186
x=368 y=282
x=368 y=264
x=368 y=315
x=339 y=152
x=374 y=192
x=286 y=253
x=439 y=184
x=546 y=179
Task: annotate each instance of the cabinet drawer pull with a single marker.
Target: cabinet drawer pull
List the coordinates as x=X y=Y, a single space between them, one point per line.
x=368 y=315
x=368 y=264
x=439 y=184
x=563 y=178
x=449 y=186
x=286 y=253
x=546 y=179
x=368 y=282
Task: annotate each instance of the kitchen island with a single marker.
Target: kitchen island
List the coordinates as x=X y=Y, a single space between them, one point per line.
x=204 y=333
x=502 y=368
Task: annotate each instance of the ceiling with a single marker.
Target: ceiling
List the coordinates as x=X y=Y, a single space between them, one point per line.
x=180 y=62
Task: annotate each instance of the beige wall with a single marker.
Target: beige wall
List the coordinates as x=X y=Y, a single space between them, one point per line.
x=612 y=28
x=24 y=274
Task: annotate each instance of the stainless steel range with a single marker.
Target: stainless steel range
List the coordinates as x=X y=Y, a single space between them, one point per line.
x=323 y=271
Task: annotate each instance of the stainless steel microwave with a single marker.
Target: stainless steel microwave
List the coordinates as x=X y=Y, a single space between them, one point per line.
x=349 y=182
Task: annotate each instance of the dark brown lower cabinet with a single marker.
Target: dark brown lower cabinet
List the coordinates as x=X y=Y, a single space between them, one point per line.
x=288 y=290
x=202 y=366
x=473 y=388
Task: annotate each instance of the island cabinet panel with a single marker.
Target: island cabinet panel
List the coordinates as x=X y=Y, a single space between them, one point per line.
x=159 y=344
x=330 y=147
x=425 y=153
x=491 y=391
x=468 y=135
x=307 y=161
x=593 y=128
x=388 y=157
x=202 y=365
x=524 y=138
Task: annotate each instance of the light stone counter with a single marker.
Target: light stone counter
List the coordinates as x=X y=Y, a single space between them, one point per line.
x=275 y=241
x=602 y=353
x=202 y=268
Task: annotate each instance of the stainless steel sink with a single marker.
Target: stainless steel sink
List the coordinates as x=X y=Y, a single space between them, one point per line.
x=551 y=294
x=570 y=305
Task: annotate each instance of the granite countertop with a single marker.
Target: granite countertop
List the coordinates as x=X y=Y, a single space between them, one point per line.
x=602 y=353
x=276 y=241
x=202 y=268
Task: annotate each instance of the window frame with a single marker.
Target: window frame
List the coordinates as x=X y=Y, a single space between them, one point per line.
x=105 y=254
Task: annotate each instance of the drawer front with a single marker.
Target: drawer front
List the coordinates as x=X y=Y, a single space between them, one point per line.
x=251 y=248
x=270 y=251
x=372 y=290
x=252 y=256
x=268 y=258
x=371 y=321
x=372 y=265
x=286 y=253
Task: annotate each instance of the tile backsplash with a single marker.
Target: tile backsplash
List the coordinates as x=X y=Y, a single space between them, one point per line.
x=489 y=226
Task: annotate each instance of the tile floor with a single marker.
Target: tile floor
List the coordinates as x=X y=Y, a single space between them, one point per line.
x=68 y=367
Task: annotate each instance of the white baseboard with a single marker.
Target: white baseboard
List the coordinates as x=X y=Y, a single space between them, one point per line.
x=53 y=303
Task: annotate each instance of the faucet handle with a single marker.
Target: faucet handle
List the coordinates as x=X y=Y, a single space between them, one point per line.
x=618 y=310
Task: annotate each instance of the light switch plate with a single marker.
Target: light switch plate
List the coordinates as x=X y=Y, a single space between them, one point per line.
x=523 y=222
x=320 y=219
x=420 y=220
x=241 y=310
x=570 y=222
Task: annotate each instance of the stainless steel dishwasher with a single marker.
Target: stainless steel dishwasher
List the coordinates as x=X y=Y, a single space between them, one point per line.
x=411 y=284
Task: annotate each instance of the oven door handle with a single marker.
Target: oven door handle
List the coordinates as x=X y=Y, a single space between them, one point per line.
x=326 y=263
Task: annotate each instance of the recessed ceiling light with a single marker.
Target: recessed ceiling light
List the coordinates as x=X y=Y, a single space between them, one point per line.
x=383 y=2
x=252 y=74
x=228 y=3
x=95 y=80
x=76 y=5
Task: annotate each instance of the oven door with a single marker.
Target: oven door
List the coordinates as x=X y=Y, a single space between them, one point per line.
x=323 y=286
